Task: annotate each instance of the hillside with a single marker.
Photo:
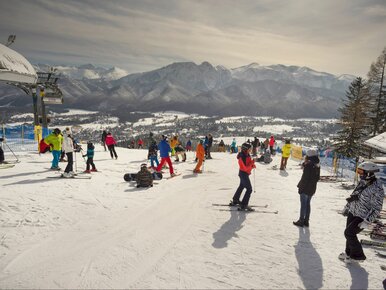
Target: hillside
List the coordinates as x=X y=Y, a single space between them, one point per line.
x=106 y=233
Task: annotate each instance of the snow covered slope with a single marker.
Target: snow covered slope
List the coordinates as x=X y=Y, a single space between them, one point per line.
x=106 y=233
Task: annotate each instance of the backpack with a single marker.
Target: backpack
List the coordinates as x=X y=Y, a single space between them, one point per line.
x=44 y=147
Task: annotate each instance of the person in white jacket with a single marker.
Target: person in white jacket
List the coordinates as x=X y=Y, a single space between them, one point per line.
x=362 y=208
x=68 y=148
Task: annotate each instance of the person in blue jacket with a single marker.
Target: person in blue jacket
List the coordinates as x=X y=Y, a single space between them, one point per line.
x=164 y=149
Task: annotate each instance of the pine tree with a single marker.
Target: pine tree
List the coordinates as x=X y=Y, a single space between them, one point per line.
x=354 y=120
x=377 y=94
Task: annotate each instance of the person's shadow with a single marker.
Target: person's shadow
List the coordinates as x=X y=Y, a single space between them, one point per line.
x=228 y=230
x=310 y=263
x=359 y=276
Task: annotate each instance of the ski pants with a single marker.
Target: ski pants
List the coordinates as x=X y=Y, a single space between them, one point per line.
x=305 y=206
x=70 y=162
x=1 y=155
x=353 y=246
x=152 y=160
x=56 y=156
x=199 y=163
x=90 y=161
x=163 y=161
x=283 y=163
x=112 y=151
x=244 y=183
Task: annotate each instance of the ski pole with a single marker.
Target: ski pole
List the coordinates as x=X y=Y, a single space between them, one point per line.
x=17 y=159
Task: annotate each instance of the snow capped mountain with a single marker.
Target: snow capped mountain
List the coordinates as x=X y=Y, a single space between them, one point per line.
x=278 y=90
x=87 y=71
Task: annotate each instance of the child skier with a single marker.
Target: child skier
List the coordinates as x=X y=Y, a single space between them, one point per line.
x=153 y=154
x=90 y=158
x=246 y=164
x=164 y=149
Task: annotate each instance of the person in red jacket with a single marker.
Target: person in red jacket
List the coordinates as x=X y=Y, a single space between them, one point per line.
x=110 y=142
x=271 y=143
x=246 y=164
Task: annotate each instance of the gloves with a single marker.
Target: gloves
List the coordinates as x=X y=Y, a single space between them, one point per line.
x=352 y=198
x=364 y=225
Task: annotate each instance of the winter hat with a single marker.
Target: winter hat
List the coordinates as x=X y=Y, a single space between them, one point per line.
x=245 y=146
x=143 y=165
x=311 y=153
x=164 y=137
x=57 y=131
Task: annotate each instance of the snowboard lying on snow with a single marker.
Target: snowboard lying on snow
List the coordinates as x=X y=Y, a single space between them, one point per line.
x=132 y=176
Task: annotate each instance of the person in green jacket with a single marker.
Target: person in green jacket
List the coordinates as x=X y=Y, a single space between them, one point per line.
x=55 y=140
x=286 y=152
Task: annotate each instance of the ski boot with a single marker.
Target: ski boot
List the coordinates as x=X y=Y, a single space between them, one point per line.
x=234 y=203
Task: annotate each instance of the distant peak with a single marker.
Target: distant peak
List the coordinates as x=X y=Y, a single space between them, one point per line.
x=253 y=65
x=87 y=66
x=205 y=63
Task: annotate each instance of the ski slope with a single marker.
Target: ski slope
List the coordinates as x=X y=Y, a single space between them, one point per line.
x=106 y=233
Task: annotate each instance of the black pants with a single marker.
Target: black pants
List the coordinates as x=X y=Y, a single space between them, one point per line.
x=90 y=161
x=1 y=155
x=244 y=183
x=70 y=162
x=353 y=246
x=112 y=151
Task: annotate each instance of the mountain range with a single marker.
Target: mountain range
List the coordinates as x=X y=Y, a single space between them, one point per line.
x=276 y=90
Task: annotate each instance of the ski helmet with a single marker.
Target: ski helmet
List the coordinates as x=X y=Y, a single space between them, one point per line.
x=368 y=166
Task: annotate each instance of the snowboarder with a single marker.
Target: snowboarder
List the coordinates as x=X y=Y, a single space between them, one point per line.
x=144 y=178
x=152 y=155
x=307 y=186
x=286 y=151
x=55 y=141
x=164 y=149
x=363 y=207
x=200 y=155
x=271 y=144
x=209 y=147
x=110 y=142
x=180 y=151
x=90 y=158
x=68 y=148
x=103 y=139
x=173 y=143
x=246 y=164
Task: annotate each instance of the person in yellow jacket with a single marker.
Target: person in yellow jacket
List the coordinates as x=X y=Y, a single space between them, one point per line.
x=286 y=152
x=55 y=140
x=173 y=143
x=200 y=155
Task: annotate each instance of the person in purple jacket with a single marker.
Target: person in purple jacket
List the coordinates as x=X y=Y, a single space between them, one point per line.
x=164 y=149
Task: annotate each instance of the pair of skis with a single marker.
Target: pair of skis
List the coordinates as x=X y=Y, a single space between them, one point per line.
x=236 y=208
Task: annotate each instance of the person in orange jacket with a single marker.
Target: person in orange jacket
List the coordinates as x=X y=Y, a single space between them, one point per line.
x=200 y=155
x=246 y=164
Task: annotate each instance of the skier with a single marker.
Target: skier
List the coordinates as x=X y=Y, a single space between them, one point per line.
x=164 y=149
x=2 y=160
x=103 y=139
x=173 y=143
x=200 y=155
x=233 y=146
x=55 y=141
x=140 y=143
x=363 y=207
x=68 y=148
x=307 y=186
x=286 y=151
x=144 y=178
x=152 y=155
x=246 y=164
x=90 y=158
x=266 y=157
x=110 y=142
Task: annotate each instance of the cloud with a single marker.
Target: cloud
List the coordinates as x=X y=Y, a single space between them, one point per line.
x=333 y=36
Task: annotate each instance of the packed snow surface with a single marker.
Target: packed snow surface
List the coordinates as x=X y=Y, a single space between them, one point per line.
x=106 y=233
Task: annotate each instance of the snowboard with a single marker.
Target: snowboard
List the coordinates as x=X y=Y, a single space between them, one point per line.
x=73 y=177
x=176 y=174
x=224 y=204
x=246 y=211
x=132 y=176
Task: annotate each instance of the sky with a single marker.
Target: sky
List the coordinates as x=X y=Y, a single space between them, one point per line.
x=339 y=37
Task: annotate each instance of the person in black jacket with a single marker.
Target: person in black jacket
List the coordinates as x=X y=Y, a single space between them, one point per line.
x=1 y=152
x=307 y=186
x=103 y=139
